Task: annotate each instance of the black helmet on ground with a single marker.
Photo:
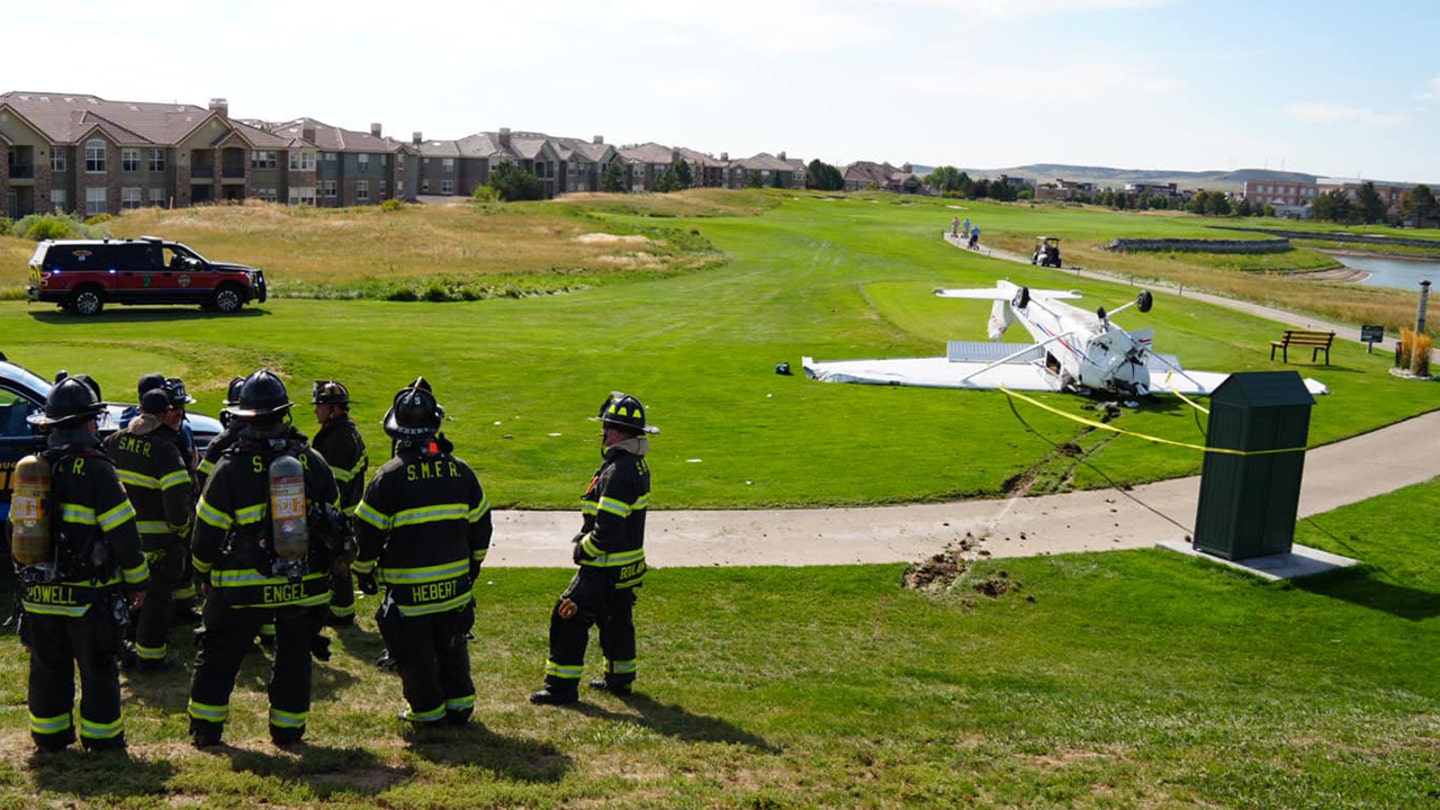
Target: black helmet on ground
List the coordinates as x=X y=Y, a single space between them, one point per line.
x=329 y=392
x=262 y=394
x=71 y=403
x=414 y=416
x=620 y=410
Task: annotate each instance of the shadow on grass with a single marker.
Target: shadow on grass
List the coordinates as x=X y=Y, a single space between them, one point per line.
x=113 y=313
x=674 y=721
x=1365 y=586
x=325 y=770
x=100 y=775
x=514 y=758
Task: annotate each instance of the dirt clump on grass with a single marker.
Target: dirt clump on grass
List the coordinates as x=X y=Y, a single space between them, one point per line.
x=940 y=571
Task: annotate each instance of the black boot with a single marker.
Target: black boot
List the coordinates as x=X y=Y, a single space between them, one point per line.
x=553 y=696
x=205 y=734
x=614 y=687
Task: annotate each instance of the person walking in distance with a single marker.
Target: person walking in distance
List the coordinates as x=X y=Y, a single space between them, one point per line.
x=610 y=553
x=423 y=529
x=80 y=570
x=267 y=526
x=343 y=448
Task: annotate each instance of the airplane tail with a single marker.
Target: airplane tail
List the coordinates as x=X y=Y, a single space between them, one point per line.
x=1001 y=317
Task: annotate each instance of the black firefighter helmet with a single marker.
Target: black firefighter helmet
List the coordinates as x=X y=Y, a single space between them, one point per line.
x=262 y=394
x=625 y=412
x=71 y=402
x=415 y=415
x=329 y=392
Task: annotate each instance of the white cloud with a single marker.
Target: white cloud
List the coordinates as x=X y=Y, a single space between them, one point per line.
x=1321 y=113
x=1012 y=9
x=1432 y=90
x=1045 y=86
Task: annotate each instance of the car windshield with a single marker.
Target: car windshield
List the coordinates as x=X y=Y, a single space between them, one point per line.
x=177 y=249
x=30 y=380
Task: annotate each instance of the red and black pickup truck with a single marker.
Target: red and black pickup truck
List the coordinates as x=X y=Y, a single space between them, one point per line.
x=83 y=275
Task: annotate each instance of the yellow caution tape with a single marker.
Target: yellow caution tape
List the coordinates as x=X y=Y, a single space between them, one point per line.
x=1102 y=426
x=1197 y=406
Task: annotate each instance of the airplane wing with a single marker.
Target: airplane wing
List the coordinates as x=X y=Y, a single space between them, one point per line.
x=1002 y=293
x=934 y=372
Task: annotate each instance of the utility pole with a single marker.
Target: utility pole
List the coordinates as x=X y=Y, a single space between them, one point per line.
x=1415 y=359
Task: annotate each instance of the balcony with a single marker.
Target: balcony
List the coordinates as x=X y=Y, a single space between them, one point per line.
x=205 y=170
x=22 y=171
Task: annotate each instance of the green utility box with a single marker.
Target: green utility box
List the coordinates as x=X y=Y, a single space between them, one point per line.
x=1248 y=503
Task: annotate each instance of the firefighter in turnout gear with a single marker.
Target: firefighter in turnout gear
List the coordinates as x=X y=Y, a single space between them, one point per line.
x=75 y=590
x=265 y=532
x=424 y=529
x=610 y=550
x=339 y=441
x=148 y=461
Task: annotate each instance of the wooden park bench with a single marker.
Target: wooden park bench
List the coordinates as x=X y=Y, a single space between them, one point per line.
x=1315 y=341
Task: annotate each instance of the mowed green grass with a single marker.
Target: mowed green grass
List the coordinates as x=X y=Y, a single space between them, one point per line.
x=835 y=278
x=1118 y=680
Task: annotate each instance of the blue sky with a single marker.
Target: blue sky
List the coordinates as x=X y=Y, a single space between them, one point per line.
x=1334 y=89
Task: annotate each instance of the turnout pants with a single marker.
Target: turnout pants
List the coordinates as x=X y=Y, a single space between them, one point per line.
x=591 y=600
x=166 y=557
x=221 y=646
x=342 y=592
x=58 y=646
x=433 y=657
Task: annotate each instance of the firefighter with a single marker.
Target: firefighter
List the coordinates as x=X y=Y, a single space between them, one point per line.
x=148 y=461
x=226 y=437
x=424 y=529
x=610 y=553
x=77 y=590
x=185 y=593
x=339 y=441
x=266 y=526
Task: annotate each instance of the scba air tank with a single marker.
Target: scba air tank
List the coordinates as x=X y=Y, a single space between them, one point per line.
x=30 y=542
x=287 y=509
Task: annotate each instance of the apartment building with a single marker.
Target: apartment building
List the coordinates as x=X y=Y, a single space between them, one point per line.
x=1294 y=198
x=863 y=174
x=352 y=167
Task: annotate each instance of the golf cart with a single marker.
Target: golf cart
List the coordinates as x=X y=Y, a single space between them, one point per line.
x=1047 y=251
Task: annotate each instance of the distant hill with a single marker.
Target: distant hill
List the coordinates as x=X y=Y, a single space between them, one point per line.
x=1115 y=178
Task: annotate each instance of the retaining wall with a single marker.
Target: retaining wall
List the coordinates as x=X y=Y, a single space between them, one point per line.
x=1200 y=245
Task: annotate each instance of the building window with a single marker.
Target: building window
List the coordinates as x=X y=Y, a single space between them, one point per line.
x=302 y=195
x=94 y=201
x=95 y=156
x=157 y=160
x=363 y=159
x=425 y=184
x=57 y=160
x=157 y=196
x=362 y=189
x=129 y=160
x=447 y=165
x=303 y=161
x=264 y=160
x=400 y=162
x=130 y=197
x=384 y=160
x=327 y=189
x=383 y=188
x=266 y=194
x=329 y=157
x=447 y=186
x=58 y=201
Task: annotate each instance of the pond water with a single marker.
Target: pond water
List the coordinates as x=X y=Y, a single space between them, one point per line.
x=1400 y=273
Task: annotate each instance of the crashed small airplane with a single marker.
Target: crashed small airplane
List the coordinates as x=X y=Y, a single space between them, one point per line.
x=1074 y=350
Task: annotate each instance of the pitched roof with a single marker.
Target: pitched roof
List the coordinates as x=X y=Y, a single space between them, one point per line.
x=648 y=153
x=701 y=158
x=763 y=162
x=67 y=117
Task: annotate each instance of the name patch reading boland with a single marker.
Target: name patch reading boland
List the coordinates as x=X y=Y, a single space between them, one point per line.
x=51 y=595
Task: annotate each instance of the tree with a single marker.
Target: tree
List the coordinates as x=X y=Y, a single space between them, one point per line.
x=1218 y=205
x=667 y=181
x=612 y=180
x=822 y=176
x=512 y=183
x=946 y=178
x=1198 y=202
x=684 y=174
x=754 y=180
x=1372 y=206
x=1245 y=208
x=1418 y=204
x=777 y=180
x=1333 y=206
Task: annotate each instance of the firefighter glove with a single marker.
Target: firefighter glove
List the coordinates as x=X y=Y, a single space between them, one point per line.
x=367 y=583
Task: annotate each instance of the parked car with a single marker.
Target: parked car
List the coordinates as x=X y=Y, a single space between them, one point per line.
x=83 y=275
x=23 y=392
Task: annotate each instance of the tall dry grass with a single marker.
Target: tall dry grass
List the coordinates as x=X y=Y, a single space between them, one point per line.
x=1411 y=345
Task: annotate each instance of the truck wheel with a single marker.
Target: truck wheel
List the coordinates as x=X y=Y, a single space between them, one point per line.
x=228 y=300
x=88 y=300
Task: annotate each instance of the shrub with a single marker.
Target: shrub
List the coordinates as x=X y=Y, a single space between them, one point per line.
x=392 y=204
x=49 y=228
x=1411 y=345
x=5 y=225
x=485 y=194
x=99 y=219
